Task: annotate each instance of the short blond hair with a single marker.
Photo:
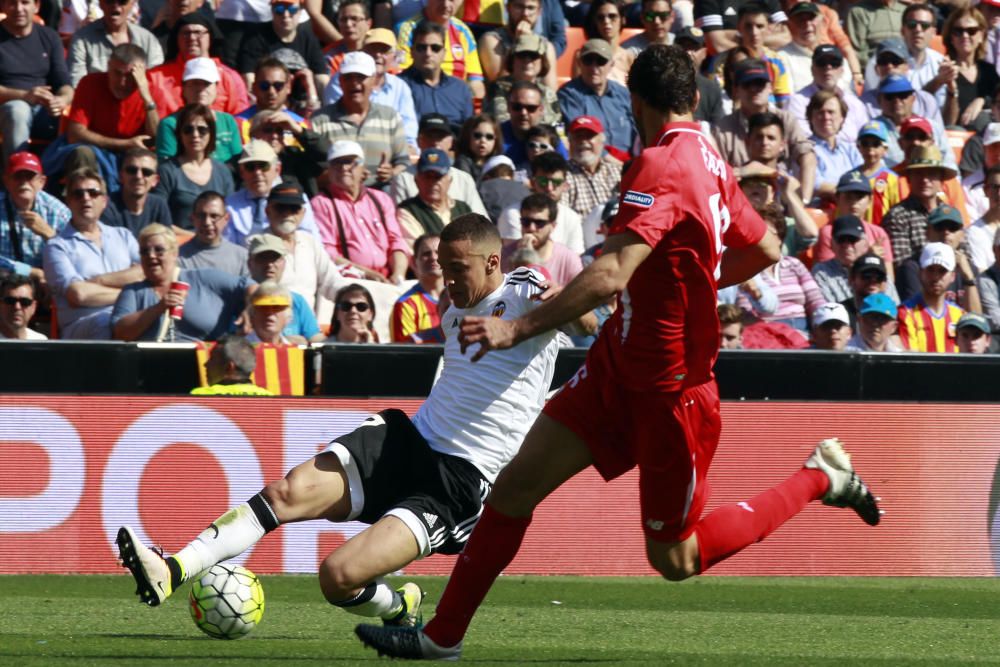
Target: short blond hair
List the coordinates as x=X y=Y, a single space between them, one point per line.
x=157 y=229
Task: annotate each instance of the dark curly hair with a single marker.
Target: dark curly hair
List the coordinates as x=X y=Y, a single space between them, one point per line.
x=663 y=77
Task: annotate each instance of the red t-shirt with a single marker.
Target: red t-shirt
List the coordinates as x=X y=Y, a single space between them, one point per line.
x=684 y=201
x=97 y=109
x=166 y=80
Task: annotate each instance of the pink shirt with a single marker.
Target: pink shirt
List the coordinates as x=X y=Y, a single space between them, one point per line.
x=370 y=227
x=562 y=266
x=876 y=237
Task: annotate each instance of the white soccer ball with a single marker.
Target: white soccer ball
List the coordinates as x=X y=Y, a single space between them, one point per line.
x=226 y=601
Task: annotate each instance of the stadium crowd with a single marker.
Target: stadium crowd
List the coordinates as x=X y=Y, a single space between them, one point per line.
x=174 y=170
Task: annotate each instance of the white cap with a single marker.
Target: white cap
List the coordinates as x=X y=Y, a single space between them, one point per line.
x=496 y=161
x=830 y=312
x=201 y=69
x=992 y=134
x=344 y=148
x=937 y=254
x=357 y=62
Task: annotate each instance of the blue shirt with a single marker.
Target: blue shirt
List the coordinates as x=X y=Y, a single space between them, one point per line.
x=515 y=149
x=451 y=97
x=213 y=303
x=393 y=94
x=70 y=258
x=53 y=211
x=832 y=163
x=247 y=217
x=303 y=322
x=613 y=108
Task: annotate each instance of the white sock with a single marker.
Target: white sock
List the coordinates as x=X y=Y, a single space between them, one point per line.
x=376 y=600
x=230 y=535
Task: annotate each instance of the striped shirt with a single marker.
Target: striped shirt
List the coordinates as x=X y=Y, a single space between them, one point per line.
x=461 y=59
x=923 y=330
x=885 y=193
x=415 y=318
x=797 y=292
x=380 y=134
x=587 y=191
x=28 y=253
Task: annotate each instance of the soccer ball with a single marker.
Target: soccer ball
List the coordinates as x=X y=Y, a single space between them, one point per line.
x=226 y=601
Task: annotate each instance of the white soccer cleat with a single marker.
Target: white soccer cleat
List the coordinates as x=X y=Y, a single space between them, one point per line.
x=846 y=488
x=150 y=571
x=405 y=643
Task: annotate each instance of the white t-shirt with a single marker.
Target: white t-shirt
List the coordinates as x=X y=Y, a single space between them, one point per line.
x=31 y=335
x=481 y=411
x=568 y=229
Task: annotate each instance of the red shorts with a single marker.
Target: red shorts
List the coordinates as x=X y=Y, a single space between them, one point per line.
x=671 y=436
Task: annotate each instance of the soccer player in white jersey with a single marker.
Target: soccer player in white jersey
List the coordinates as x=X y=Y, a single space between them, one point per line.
x=420 y=484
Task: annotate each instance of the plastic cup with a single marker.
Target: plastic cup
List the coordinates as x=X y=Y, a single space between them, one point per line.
x=177 y=312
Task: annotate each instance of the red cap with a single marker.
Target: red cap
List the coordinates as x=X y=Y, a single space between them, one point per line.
x=586 y=123
x=916 y=123
x=24 y=161
x=991 y=3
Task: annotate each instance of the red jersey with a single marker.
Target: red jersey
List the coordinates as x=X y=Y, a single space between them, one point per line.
x=684 y=201
x=97 y=109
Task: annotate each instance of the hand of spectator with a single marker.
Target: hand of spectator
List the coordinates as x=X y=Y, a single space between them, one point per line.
x=282 y=120
x=138 y=141
x=138 y=72
x=56 y=106
x=173 y=298
x=384 y=172
x=948 y=71
x=964 y=266
x=364 y=336
x=397 y=279
x=40 y=95
x=523 y=28
x=793 y=186
x=36 y=224
x=972 y=111
x=528 y=241
x=752 y=169
x=750 y=287
x=878 y=250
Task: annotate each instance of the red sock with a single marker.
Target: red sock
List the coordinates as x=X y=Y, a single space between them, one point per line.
x=491 y=548
x=732 y=528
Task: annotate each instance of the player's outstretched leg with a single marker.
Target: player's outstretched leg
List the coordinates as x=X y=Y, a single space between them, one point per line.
x=846 y=488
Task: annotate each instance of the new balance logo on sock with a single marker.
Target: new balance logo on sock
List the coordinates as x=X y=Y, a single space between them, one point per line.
x=744 y=505
x=431 y=519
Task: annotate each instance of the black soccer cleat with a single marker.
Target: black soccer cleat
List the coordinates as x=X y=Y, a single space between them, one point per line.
x=405 y=643
x=846 y=488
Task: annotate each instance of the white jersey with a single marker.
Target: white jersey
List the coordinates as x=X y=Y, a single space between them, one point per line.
x=481 y=411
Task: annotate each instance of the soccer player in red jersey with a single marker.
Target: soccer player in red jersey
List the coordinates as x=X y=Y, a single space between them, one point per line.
x=646 y=395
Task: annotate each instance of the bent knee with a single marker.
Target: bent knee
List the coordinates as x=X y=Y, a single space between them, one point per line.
x=337 y=579
x=278 y=494
x=674 y=562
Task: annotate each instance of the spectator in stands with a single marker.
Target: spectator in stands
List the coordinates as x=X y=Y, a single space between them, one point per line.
x=17 y=307
x=592 y=93
x=752 y=24
x=461 y=57
x=896 y=96
x=973 y=334
x=353 y=22
x=88 y=263
x=976 y=199
x=869 y=22
x=496 y=46
x=498 y=188
x=538 y=216
x=877 y=326
x=854 y=199
x=798 y=295
x=929 y=69
x=358 y=225
x=526 y=111
x=975 y=81
x=29 y=217
x=828 y=75
x=192 y=37
x=983 y=233
x=35 y=86
x=944 y=225
x=719 y=21
x=991 y=12
x=988 y=284
x=927 y=321
x=657 y=18
x=353 y=316
x=884 y=183
x=730 y=326
x=525 y=62
x=266 y=261
x=760 y=187
x=435 y=132
x=831 y=328
x=478 y=141
x=433 y=207
x=604 y=22
x=193 y=170
x=270 y=311
x=594 y=176
x=272 y=85
x=804 y=23
x=834 y=157
x=433 y=91
x=157 y=309
x=548 y=177
x=752 y=91
x=893 y=58
x=209 y=248
x=916 y=132
x=709 y=109
x=163 y=23
x=379 y=129
x=868 y=276
x=540 y=139
x=92 y=44
x=200 y=86
x=305 y=159
x=415 y=317
x=134 y=205
x=849 y=243
x=228 y=369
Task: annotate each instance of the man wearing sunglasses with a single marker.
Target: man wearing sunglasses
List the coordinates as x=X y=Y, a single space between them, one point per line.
x=272 y=84
x=891 y=57
x=134 y=205
x=92 y=44
x=897 y=97
x=29 y=216
x=593 y=94
x=538 y=224
x=926 y=68
x=657 y=17
x=548 y=177
x=433 y=90
x=461 y=56
x=17 y=307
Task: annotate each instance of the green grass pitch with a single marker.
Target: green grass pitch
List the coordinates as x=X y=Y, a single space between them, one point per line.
x=95 y=620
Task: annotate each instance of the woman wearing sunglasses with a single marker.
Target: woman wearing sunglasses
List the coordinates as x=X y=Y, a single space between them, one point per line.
x=353 y=316
x=968 y=97
x=192 y=171
x=478 y=141
x=525 y=61
x=605 y=21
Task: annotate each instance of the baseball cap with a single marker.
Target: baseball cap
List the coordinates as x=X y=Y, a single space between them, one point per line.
x=380 y=36
x=598 y=46
x=946 y=214
x=270 y=300
x=916 y=123
x=874 y=128
x=749 y=70
x=869 y=262
x=529 y=43
x=937 y=254
x=434 y=121
x=258 y=151
x=434 y=159
x=24 y=161
x=992 y=134
x=827 y=52
x=894 y=45
x=854 y=181
x=878 y=303
x=973 y=320
x=895 y=83
x=848 y=225
x=804 y=8
x=357 y=62
x=201 y=69
x=692 y=34
x=286 y=192
x=259 y=243
x=586 y=123
x=830 y=312
x=345 y=148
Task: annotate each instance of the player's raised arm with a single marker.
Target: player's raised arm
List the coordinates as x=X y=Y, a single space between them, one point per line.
x=597 y=283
